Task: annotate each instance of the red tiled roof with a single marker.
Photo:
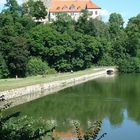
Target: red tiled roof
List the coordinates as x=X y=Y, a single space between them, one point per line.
x=91 y=5
x=71 y=5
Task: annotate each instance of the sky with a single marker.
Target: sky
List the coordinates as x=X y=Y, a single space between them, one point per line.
x=2 y=2
x=127 y=8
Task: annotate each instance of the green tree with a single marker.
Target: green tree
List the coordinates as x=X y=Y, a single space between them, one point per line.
x=36 y=66
x=133 y=32
x=119 y=47
x=4 y=72
x=41 y=38
x=115 y=23
x=82 y=22
x=104 y=58
x=35 y=9
x=12 y=8
x=18 y=56
x=27 y=7
x=6 y=19
x=129 y=65
x=118 y=38
x=39 y=10
x=97 y=28
x=63 y=23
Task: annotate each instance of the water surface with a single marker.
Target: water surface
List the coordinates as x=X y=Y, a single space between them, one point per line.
x=113 y=100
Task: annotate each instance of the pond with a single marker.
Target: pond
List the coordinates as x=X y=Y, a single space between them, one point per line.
x=113 y=100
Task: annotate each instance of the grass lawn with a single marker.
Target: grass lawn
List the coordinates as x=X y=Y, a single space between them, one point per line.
x=6 y=84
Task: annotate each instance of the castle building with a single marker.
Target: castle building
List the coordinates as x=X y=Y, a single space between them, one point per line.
x=71 y=7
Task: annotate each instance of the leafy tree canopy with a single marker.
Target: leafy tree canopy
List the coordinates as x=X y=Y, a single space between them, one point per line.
x=35 y=9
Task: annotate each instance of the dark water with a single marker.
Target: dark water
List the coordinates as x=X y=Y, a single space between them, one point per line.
x=114 y=101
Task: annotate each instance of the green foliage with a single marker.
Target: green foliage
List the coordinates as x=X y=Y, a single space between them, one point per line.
x=24 y=24
x=115 y=23
x=41 y=38
x=119 y=47
x=4 y=72
x=36 y=66
x=106 y=60
x=130 y=65
x=15 y=127
x=118 y=38
x=62 y=50
x=18 y=56
x=97 y=28
x=91 y=133
x=133 y=31
x=64 y=44
x=39 y=10
x=63 y=23
x=51 y=71
x=82 y=22
x=12 y=8
x=35 y=9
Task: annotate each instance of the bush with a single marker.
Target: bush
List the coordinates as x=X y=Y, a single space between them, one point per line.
x=51 y=71
x=129 y=65
x=106 y=60
x=36 y=66
x=15 y=127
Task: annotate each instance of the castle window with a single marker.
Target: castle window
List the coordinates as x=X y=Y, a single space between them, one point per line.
x=58 y=8
x=78 y=7
x=72 y=14
x=65 y=7
x=72 y=7
x=90 y=13
x=96 y=12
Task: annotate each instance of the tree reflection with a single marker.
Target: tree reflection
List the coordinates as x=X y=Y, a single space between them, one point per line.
x=94 y=100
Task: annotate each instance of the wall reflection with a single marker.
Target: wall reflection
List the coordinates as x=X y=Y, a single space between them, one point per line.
x=94 y=100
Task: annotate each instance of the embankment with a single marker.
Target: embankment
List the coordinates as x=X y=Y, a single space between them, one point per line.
x=51 y=87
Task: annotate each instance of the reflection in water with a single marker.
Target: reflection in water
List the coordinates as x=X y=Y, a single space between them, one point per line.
x=78 y=133
x=114 y=101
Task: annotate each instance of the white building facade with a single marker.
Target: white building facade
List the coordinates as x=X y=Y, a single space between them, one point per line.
x=73 y=8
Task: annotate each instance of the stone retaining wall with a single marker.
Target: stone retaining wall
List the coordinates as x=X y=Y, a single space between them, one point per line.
x=49 y=88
